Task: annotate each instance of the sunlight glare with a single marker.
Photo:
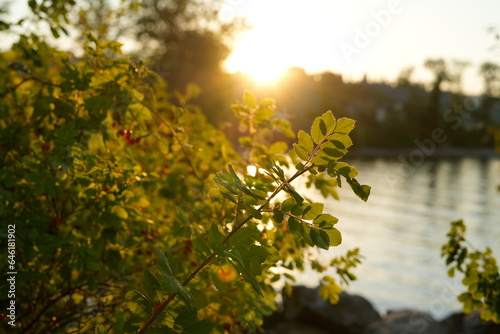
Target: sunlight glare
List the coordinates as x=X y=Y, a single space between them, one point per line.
x=257 y=56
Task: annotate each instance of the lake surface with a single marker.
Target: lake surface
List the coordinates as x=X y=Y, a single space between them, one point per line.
x=401 y=228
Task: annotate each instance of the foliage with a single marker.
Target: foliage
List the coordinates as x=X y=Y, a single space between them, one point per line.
x=122 y=194
x=261 y=236
x=481 y=275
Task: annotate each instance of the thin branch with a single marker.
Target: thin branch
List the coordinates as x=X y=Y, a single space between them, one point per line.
x=159 y=309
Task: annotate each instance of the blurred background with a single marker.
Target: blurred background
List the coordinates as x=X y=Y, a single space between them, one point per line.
x=420 y=77
x=400 y=68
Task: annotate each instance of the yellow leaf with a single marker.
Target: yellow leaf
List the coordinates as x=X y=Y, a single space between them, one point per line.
x=77 y=298
x=226 y=273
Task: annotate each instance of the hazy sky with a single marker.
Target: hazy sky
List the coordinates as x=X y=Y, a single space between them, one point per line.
x=353 y=37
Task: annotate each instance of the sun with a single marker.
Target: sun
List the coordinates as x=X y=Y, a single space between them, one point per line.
x=258 y=58
x=280 y=39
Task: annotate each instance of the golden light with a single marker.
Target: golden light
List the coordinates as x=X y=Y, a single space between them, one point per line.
x=288 y=34
x=271 y=47
x=255 y=55
x=226 y=273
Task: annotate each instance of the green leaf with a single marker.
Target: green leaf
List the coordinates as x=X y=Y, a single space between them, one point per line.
x=141 y=300
x=215 y=238
x=188 y=320
x=301 y=151
x=335 y=236
x=319 y=160
x=242 y=268
x=200 y=245
x=306 y=234
x=320 y=238
x=278 y=215
x=226 y=185
x=183 y=293
x=288 y=204
x=313 y=210
x=252 y=211
x=329 y=121
x=325 y=220
x=236 y=178
x=151 y=285
x=362 y=191
x=263 y=114
x=344 y=125
x=306 y=141
x=294 y=228
x=230 y=197
x=298 y=199
x=341 y=141
x=249 y=99
x=163 y=263
x=99 y=329
x=346 y=170
x=316 y=133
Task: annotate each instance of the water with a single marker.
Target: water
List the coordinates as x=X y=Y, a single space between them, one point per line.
x=401 y=228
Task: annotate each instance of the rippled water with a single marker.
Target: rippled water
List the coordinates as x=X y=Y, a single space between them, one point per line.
x=401 y=228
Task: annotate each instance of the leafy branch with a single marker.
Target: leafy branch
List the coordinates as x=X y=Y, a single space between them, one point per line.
x=481 y=275
x=320 y=151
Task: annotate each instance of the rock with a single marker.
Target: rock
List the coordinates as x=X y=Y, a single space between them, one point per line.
x=472 y=324
x=407 y=322
x=453 y=323
x=461 y=323
x=349 y=316
x=293 y=327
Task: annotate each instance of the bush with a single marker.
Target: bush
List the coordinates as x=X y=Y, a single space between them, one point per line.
x=131 y=211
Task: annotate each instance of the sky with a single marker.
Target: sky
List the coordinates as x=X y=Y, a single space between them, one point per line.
x=378 y=38
x=356 y=37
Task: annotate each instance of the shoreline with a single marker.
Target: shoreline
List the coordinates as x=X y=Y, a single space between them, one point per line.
x=440 y=152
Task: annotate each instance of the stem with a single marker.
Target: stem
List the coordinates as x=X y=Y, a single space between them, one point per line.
x=159 y=309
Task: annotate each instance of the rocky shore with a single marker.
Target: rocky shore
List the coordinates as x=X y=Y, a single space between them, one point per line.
x=304 y=312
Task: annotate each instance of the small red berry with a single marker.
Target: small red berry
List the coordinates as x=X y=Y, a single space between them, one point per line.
x=128 y=134
x=188 y=242
x=149 y=252
x=130 y=141
x=30 y=309
x=193 y=263
x=55 y=222
x=122 y=132
x=227 y=326
x=137 y=140
x=144 y=232
x=45 y=147
x=113 y=125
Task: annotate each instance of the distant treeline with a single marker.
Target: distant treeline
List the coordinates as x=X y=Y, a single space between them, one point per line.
x=388 y=114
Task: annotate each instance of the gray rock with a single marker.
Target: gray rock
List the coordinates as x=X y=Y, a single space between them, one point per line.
x=453 y=323
x=406 y=322
x=351 y=315
x=461 y=323
x=472 y=324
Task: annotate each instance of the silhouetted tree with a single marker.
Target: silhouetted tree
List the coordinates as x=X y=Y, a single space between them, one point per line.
x=187 y=42
x=432 y=115
x=491 y=78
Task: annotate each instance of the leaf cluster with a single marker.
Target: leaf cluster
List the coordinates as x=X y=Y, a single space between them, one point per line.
x=480 y=270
